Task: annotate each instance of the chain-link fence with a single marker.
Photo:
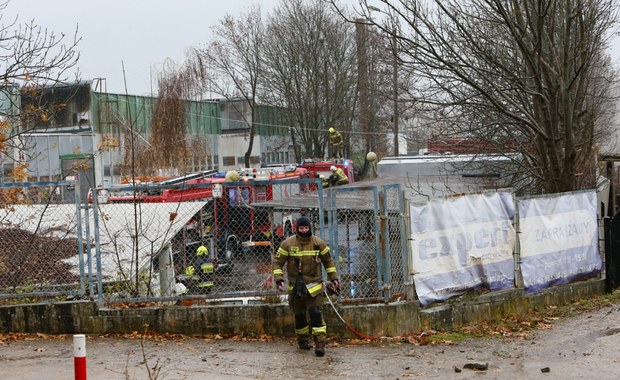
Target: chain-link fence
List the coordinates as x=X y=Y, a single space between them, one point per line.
x=395 y=240
x=152 y=243
x=41 y=248
x=218 y=245
x=213 y=239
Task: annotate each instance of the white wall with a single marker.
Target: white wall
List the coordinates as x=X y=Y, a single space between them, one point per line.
x=236 y=145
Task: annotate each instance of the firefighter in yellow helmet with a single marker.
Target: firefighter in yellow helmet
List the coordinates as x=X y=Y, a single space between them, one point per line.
x=335 y=139
x=302 y=255
x=337 y=177
x=199 y=274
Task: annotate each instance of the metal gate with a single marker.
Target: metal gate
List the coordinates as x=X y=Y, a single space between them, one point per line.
x=612 y=252
x=369 y=243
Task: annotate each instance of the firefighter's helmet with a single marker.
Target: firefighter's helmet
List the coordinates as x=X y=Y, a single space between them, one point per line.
x=332 y=130
x=233 y=176
x=202 y=250
x=333 y=168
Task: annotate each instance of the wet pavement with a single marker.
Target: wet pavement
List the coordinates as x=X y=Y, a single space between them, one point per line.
x=582 y=347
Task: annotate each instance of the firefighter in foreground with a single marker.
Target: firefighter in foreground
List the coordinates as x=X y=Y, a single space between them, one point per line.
x=302 y=254
x=199 y=274
x=338 y=177
x=335 y=138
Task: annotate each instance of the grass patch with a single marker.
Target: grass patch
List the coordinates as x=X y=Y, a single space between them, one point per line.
x=522 y=326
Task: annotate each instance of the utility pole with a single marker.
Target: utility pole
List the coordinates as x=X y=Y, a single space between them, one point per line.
x=395 y=88
x=362 y=78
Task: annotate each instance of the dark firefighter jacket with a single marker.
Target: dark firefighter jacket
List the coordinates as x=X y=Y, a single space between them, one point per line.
x=201 y=271
x=311 y=252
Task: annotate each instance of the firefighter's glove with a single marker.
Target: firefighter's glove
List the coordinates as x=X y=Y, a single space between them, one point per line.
x=337 y=287
x=280 y=285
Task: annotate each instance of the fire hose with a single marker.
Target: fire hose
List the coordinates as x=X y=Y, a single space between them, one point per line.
x=346 y=324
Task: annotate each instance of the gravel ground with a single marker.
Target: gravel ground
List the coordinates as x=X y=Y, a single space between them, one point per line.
x=34 y=261
x=581 y=347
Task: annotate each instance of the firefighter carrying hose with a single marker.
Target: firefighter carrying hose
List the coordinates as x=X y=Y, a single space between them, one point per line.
x=199 y=274
x=303 y=254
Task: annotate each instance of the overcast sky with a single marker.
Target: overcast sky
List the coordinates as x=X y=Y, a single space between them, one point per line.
x=139 y=34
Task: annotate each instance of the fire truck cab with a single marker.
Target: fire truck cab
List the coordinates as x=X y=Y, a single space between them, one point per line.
x=322 y=167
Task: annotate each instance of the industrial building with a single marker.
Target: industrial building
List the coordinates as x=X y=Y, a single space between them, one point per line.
x=81 y=129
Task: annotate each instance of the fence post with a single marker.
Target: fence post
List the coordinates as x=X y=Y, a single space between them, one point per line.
x=166 y=272
x=384 y=243
x=610 y=280
x=97 y=245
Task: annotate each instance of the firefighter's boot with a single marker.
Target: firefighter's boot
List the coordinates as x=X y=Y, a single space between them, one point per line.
x=303 y=344
x=319 y=349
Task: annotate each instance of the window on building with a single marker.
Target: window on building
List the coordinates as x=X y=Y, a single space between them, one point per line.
x=228 y=160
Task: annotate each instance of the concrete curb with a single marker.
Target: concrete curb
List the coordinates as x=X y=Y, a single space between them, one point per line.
x=394 y=319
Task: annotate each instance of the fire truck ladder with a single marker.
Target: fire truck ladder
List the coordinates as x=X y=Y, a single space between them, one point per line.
x=189 y=177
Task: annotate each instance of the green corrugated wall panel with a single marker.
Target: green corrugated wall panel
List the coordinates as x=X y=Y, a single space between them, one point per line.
x=202 y=117
x=125 y=111
x=270 y=121
x=142 y=112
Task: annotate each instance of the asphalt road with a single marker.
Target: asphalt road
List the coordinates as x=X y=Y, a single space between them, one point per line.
x=582 y=347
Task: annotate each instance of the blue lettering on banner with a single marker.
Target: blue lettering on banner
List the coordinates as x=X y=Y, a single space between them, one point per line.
x=562 y=232
x=462 y=243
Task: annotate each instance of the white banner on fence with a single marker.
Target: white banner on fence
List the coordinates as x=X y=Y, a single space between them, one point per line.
x=559 y=239
x=462 y=243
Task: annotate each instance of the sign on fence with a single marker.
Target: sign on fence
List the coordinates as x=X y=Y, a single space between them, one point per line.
x=559 y=239
x=462 y=243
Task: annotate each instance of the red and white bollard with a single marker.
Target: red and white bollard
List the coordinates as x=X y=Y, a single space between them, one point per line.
x=79 y=356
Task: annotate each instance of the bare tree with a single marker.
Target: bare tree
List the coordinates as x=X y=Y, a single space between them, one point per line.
x=234 y=63
x=31 y=59
x=169 y=130
x=519 y=77
x=311 y=72
x=379 y=82
x=169 y=146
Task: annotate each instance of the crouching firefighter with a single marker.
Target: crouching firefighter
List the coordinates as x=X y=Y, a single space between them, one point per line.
x=303 y=254
x=199 y=274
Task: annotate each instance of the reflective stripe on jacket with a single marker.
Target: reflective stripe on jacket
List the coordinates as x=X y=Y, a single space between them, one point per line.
x=310 y=253
x=340 y=176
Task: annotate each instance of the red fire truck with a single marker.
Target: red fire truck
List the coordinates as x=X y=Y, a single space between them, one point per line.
x=228 y=221
x=322 y=167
